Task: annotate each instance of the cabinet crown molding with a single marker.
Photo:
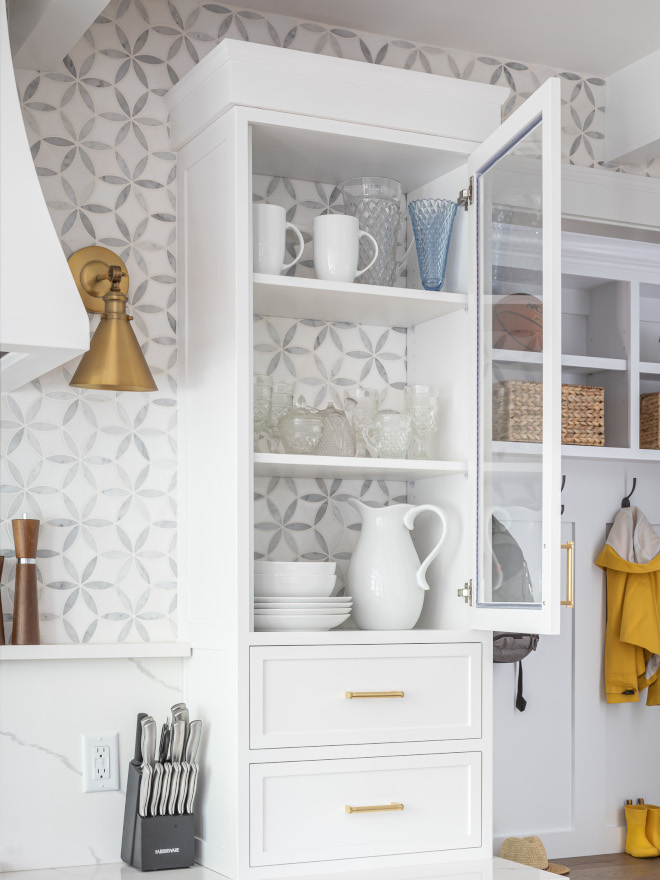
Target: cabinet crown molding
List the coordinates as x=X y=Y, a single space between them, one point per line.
x=252 y=75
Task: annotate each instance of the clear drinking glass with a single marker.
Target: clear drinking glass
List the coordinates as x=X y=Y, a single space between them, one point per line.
x=361 y=406
x=389 y=434
x=422 y=404
x=432 y=222
x=261 y=398
x=280 y=404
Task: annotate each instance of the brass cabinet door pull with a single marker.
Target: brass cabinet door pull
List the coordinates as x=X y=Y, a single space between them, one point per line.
x=378 y=808
x=569 y=547
x=372 y=695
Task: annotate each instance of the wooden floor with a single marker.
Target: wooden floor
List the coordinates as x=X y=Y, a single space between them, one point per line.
x=618 y=866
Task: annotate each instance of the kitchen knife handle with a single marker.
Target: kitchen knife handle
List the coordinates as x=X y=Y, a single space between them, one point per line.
x=138 y=738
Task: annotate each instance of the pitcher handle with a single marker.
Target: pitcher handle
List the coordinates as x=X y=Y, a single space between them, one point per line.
x=409 y=522
x=404 y=259
x=375 y=244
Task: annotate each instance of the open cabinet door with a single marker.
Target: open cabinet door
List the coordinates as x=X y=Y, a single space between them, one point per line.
x=515 y=179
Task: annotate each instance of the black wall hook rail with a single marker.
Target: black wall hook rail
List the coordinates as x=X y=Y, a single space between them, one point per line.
x=625 y=502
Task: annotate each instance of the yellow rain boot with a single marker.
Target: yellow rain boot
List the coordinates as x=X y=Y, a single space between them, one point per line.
x=637 y=843
x=653 y=825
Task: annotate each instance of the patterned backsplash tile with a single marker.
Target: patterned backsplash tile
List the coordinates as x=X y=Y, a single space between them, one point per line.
x=99 y=468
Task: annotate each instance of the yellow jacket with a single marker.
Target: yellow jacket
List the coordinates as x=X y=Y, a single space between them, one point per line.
x=631 y=558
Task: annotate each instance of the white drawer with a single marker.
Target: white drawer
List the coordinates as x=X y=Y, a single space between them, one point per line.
x=298 y=694
x=298 y=809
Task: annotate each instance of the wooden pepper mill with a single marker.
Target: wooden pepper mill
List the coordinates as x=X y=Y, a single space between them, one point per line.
x=26 y=604
x=2 y=620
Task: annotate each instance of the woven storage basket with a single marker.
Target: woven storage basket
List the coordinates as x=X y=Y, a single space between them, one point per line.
x=649 y=421
x=518 y=413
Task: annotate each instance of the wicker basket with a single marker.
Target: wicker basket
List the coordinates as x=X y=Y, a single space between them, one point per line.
x=649 y=421
x=518 y=413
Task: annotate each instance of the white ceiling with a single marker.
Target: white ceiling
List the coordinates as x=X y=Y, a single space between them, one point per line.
x=594 y=37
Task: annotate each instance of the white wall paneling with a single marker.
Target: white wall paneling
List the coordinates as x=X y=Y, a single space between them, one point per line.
x=599 y=754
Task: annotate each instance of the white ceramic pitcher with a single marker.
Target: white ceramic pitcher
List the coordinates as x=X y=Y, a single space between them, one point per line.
x=385 y=577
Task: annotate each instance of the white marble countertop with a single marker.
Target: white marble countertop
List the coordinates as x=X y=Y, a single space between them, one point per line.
x=495 y=869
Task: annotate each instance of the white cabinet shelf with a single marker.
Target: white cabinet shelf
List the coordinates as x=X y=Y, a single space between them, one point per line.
x=362 y=637
x=648 y=368
x=328 y=467
x=573 y=362
x=290 y=297
x=598 y=453
x=113 y=651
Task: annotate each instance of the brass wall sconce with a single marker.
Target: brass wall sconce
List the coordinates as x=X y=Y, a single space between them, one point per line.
x=114 y=361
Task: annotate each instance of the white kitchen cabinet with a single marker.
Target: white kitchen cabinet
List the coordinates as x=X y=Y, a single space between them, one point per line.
x=286 y=750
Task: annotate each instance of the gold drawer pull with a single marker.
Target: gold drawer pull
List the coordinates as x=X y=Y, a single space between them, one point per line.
x=569 y=547
x=372 y=695
x=379 y=808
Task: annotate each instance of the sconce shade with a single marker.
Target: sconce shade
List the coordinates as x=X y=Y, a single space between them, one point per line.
x=114 y=361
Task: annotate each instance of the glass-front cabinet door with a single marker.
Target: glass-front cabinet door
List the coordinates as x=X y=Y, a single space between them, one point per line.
x=516 y=237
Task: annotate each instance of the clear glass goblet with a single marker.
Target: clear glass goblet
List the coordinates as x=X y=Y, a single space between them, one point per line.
x=361 y=408
x=389 y=434
x=262 y=393
x=422 y=404
x=281 y=403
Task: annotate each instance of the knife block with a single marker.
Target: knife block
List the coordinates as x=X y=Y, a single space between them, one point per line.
x=151 y=843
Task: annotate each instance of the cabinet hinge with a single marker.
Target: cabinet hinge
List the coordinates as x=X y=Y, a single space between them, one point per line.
x=466 y=196
x=466 y=593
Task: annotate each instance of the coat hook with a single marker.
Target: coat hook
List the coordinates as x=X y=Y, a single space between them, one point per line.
x=563 y=483
x=626 y=501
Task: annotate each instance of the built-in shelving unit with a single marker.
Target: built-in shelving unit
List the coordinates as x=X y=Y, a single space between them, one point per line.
x=292 y=297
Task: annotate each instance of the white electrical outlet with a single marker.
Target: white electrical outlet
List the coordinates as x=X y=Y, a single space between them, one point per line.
x=100 y=752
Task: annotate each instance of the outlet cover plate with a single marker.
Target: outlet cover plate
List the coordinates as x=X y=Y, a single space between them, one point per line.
x=94 y=781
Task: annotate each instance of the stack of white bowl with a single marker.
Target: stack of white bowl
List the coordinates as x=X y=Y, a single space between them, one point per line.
x=291 y=596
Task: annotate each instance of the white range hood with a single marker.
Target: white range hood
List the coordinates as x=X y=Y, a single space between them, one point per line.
x=43 y=322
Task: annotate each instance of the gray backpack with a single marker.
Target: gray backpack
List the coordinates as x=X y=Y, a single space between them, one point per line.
x=511 y=583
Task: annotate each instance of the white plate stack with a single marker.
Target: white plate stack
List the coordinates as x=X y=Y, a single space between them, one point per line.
x=290 y=596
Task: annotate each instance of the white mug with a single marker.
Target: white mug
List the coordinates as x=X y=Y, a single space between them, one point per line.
x=337 y=247
x=269 y=228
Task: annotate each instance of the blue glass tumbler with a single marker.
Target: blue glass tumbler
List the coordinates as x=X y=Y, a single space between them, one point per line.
x=432 y=221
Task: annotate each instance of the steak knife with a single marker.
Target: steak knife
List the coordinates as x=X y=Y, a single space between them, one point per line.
x=148 y=755
x=178 y=741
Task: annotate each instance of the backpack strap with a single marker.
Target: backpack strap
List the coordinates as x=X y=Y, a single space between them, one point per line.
x=521 y=702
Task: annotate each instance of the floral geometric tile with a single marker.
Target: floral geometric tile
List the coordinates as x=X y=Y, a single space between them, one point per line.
x=99 y=468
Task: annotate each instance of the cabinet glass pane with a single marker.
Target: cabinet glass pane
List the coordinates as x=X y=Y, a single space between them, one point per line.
x=510 y=370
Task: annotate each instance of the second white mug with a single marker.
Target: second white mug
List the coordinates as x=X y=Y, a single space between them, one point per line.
x=269 y=226
x=337 y=247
